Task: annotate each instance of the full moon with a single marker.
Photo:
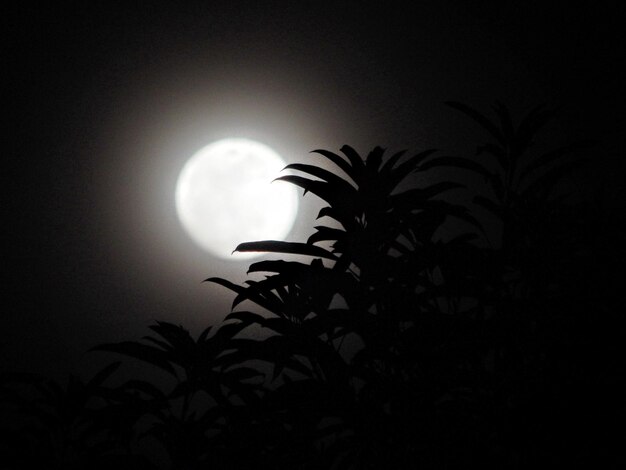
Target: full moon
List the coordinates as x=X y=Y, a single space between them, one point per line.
x=225 y=196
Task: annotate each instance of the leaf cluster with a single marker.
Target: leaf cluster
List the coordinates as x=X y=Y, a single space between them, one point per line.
x=406 y=332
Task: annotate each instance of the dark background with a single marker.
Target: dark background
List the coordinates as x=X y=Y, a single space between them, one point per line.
x=105 y=101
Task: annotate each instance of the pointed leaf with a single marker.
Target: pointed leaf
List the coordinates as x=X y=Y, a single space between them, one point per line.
x=405 y=168
x=149 y=354
x=225 y=283
x=324 y=233
x=338 y=197
x=498 y=152
x=227 y=331
x=415 y=198
x=247 y=318
x=144 y=387
x=546 y=183
x=176 y=335
x=243 y=293
x=506 y=123
x=457 y=162
x=261 y=295
x=355 y=159
x=321 y=173
x=274 y=246
x=204 y=335
x=550 y=157
x=480 y=119
x=337 y=160
x=489 y=205
x=290 y=268
x=462 y=213
x=531 y=124
x=374 y=158
x=102 y=375
x=391 y=162
x=165 y=346
x=244 y=373
x=348 y=221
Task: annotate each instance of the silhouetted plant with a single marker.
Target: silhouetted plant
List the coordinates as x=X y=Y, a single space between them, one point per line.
x=383 y=268
x=64 y=427
x=200 y=405
x=537 y=276
x=403 y=333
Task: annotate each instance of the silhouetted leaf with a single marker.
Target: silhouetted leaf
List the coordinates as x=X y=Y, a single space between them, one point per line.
x=144 y=387
x=457 y=162
x=273 y=246
x=506 y=123
x=374 y=158
x=244 y=373
x=260 y=293
x=204 y=335
x=498 y=187
x=480 y=119
x=225 y=283
x=337 y=160
x=405 y=168
x=537 y=118
x=324 y=233
x=356 y=161
x=162 y=344
x=247 y=318
x=176 y=335
x=498 y=152
x=341 y=198
x=385 y=170
x=323 y=174
x=416 y=198
x=227 y=331
x=489 y=205
x=247 y=293
x=276 y=350
x=457 y=211
x=552 y=156
x=139 y=351
x=102 y=375
x=462 y=238
x=347 y=219
x=545 y=184
x=291 y=268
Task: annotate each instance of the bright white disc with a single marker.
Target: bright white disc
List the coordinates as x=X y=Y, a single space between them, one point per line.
x=225 y=196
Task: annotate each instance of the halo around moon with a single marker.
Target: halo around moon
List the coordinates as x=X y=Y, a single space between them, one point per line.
x=225 y=196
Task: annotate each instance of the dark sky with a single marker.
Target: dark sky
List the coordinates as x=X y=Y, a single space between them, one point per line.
x=106 y=102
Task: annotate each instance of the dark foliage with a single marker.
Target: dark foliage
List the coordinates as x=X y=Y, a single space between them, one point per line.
x=384 y=343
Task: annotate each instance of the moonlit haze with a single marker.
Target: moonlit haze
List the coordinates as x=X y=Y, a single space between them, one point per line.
x=108 y=101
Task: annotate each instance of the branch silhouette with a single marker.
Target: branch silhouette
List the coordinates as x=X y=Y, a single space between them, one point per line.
x=408 y=332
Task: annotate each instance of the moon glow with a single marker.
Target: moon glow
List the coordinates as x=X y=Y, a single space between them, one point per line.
x=225 y=196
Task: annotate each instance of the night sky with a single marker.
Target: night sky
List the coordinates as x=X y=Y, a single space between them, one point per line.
x=105 y=103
